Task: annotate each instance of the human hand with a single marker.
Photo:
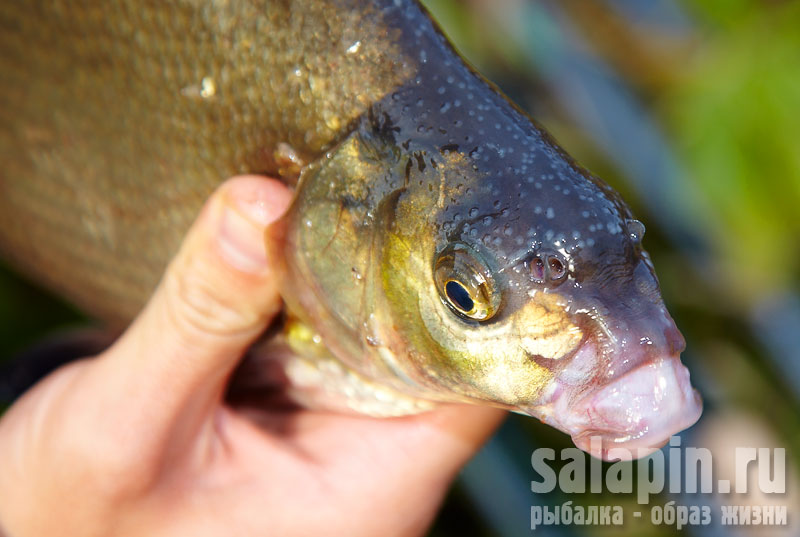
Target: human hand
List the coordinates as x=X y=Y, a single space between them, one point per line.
x=138 y=440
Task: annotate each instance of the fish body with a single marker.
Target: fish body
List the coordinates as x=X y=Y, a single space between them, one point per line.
x=440 y=247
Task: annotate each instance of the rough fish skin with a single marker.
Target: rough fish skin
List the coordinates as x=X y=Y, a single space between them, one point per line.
x=441 y=245
x=120 y=118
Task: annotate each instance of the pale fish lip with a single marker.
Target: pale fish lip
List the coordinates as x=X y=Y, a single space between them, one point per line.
x=632 y=415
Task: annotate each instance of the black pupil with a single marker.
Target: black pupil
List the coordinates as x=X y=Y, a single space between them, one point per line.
x=459 y=296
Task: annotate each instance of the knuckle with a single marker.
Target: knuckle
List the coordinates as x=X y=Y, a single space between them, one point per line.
x=198 y=305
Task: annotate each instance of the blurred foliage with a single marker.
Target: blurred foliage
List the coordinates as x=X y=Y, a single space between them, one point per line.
x=722 y=82
x=733 y=116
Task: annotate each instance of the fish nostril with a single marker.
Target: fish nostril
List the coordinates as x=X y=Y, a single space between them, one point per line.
x=538 y=271
x=547 y=268
x=555 y=268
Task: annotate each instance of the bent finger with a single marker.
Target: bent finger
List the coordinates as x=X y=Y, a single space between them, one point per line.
x=217 y=295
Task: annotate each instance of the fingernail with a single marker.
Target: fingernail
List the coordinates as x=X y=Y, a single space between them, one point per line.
x=255 y=198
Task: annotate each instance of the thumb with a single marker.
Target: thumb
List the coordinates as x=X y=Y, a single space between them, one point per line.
x=217 y=295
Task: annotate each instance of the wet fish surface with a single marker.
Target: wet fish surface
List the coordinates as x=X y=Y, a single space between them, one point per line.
x=441 y=247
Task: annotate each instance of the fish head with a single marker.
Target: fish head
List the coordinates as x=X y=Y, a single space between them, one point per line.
x=513 y=278
x=536 y=295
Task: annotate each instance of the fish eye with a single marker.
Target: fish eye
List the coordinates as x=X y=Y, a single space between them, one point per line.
x=548 y=269
x=466 y=283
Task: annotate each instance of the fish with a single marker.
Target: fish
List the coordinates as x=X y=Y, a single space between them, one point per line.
x=440 y=247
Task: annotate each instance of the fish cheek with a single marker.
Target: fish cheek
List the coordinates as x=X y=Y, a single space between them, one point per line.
x=482 y=361
x=463 y=360
x=546 y=329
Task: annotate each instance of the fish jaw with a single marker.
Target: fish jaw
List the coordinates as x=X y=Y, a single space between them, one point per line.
x=629 y=416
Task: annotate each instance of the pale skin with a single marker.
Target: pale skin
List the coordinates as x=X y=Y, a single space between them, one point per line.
x=138 y=440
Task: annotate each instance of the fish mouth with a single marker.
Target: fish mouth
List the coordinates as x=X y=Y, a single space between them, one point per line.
x=625 y=416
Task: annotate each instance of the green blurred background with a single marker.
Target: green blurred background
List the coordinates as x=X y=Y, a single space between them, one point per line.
x=692 y=111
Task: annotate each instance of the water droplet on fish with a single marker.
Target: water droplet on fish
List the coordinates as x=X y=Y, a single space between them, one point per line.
x=635 y=229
